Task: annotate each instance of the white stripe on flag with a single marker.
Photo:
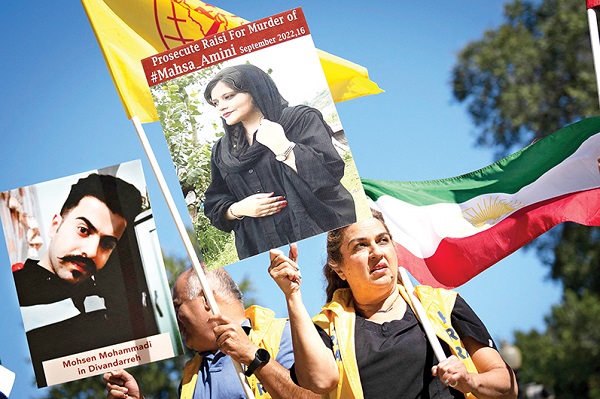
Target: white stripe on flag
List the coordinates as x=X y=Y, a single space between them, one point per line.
x=421 y=228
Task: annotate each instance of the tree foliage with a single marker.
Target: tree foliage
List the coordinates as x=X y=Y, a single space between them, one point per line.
x=523 y=80
x=530 y=76
x=566 y=357
x=190 y=138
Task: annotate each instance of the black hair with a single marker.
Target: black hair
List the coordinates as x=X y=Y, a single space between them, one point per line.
x=250 y=79
x=335 y=239
x=120 y=197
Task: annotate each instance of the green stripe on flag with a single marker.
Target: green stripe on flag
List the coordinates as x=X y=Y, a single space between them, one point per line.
x=507 y=176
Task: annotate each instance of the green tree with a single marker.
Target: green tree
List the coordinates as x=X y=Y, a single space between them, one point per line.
x=530 y=76
x=524 y=80
x=190 y=139
x=566 y=357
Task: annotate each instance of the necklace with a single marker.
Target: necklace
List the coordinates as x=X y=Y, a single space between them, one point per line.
x=389 y=307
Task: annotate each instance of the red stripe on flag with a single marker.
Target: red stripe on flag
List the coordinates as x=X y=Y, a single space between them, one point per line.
x=592 y=3
x=457 y=260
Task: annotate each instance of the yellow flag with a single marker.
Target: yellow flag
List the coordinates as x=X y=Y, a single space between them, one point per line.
x=129 y=31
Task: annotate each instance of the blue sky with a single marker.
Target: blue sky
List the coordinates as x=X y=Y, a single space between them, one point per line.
x=61 y=115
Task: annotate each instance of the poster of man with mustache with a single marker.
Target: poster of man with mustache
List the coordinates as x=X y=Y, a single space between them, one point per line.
x=82 y=282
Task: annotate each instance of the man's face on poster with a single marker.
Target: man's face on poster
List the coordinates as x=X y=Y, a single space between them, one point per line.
x=82 y=239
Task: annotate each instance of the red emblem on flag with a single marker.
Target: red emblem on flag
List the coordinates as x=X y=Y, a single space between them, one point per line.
x=184 y=23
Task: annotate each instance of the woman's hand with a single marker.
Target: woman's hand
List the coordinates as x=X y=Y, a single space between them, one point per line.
x=315 y=364
x=285 y=271
x=257 y=206
x=271 y=135
x=452 y=372
x=494 y=378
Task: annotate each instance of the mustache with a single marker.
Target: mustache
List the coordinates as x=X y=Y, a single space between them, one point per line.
x=89 y=264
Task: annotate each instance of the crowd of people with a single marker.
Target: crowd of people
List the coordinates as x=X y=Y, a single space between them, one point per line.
x=367 y=342
x=275 y=180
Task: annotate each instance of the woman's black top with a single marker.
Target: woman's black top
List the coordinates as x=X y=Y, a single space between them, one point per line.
x=395 y=359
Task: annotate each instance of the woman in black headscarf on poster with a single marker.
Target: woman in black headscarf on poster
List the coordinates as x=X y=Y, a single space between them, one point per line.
x=275 y=173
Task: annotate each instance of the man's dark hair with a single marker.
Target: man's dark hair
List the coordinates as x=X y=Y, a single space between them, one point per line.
x=119 y=196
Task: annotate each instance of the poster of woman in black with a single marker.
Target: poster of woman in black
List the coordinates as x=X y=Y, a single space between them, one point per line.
x=275 y=173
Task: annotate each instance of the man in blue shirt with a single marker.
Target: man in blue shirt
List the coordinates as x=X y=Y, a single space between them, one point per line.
x=252 y=337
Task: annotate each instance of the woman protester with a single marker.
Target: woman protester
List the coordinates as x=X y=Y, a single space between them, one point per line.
x=275 y=173
x=369 y=343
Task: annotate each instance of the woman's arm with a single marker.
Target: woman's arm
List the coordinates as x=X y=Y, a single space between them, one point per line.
x=319 y=170
x=271 y=135
x=495 y=379
x=314 y=363
x=256 y=206
x=223 y=209
x=313 y=156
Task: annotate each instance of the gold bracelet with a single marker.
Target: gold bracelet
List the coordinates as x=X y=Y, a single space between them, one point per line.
x=233 y=214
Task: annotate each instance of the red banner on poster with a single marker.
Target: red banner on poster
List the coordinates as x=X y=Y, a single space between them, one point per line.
x=224 y=46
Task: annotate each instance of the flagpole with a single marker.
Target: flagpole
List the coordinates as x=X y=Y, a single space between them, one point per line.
x=595 y=40
x=184 y=236
x=422 y=316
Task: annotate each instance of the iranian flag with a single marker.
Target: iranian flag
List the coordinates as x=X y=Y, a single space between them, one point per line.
x=448 y=231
